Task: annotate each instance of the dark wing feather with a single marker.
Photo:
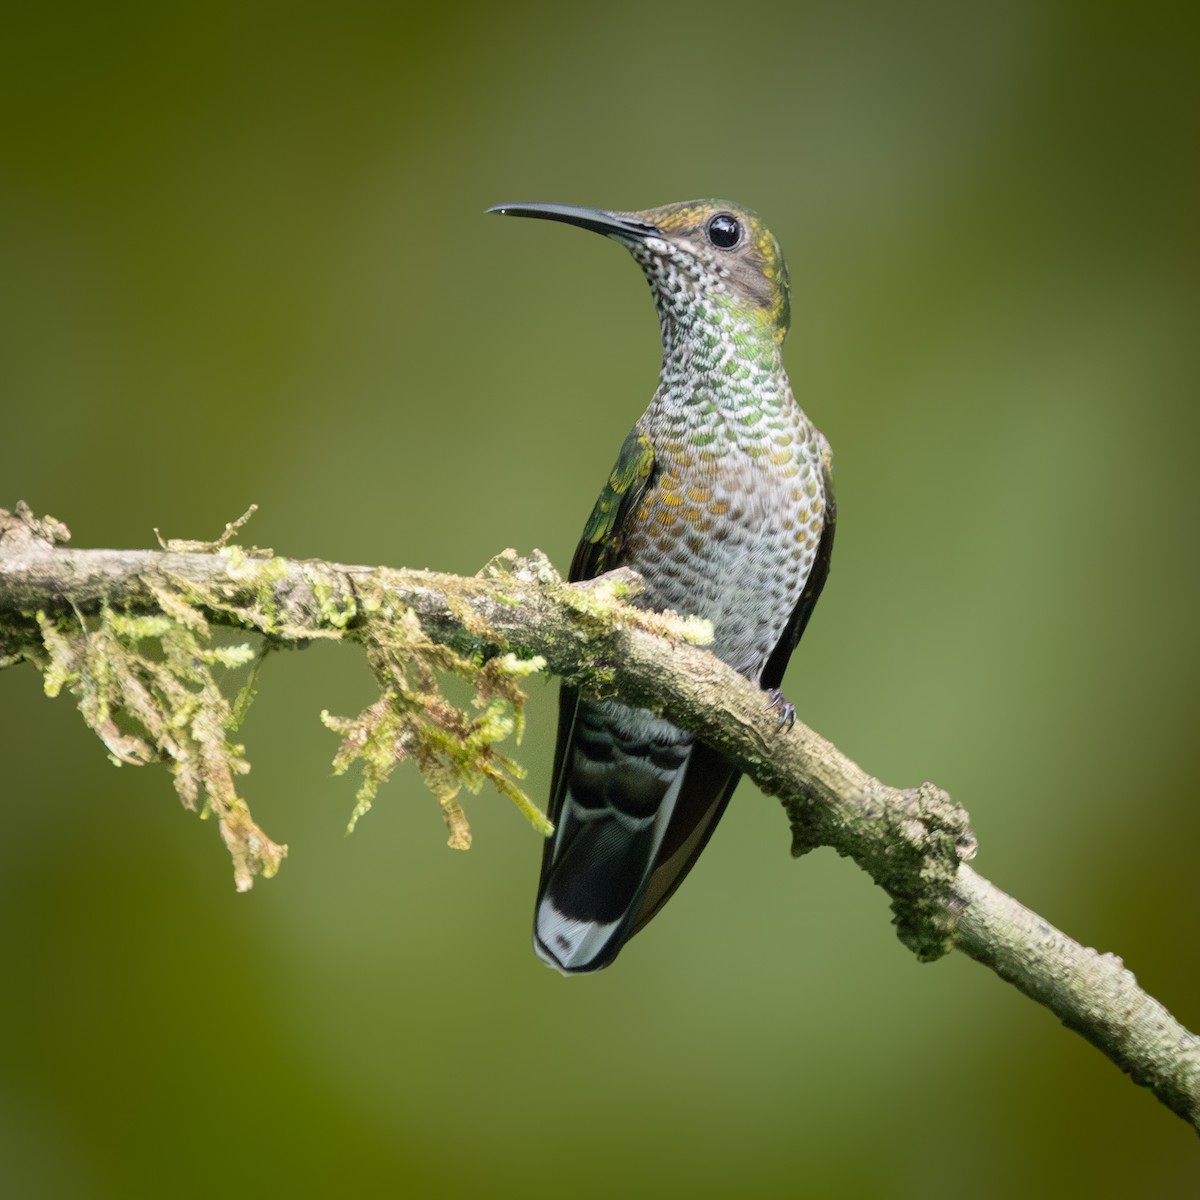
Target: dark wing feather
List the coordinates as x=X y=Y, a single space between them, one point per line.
x=599 y=551
x=705 y=792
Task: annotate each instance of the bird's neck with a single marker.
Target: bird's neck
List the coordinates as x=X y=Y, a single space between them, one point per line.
x=722 y=362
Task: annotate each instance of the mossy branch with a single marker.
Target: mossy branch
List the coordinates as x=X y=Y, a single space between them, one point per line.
x=128 y=631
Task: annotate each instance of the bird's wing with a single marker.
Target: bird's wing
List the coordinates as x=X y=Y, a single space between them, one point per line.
x=598 y=551
x=576 y=857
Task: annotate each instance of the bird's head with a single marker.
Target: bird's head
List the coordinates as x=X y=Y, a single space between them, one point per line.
x=697 y=254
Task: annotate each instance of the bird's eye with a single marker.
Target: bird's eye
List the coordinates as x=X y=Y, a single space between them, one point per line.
x=724 y=231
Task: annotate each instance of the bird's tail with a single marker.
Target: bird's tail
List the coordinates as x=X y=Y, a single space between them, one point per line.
x=620 y=771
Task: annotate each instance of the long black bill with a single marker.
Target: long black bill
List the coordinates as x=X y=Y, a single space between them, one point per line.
x=613 y=225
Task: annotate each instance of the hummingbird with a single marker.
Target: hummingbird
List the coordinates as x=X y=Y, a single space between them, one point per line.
x=721 y=499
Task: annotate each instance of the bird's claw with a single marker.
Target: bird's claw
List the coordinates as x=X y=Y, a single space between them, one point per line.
x=787 y=712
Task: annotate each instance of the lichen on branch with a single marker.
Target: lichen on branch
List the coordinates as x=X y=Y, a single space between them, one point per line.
x=148 y=680
x=412 y=719
x=147 y=685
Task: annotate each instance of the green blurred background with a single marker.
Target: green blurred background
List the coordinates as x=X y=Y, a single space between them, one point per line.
x=243 y=258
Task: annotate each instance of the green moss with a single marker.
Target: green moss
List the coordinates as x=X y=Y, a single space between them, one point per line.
x=337 y=607
x=454 y=749
x=145 y=684
x=150 y=684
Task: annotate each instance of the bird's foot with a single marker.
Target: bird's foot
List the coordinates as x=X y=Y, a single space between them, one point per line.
x=787 y=712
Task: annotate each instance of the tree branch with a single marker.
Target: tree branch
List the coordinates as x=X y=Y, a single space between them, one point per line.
x=81 y=614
